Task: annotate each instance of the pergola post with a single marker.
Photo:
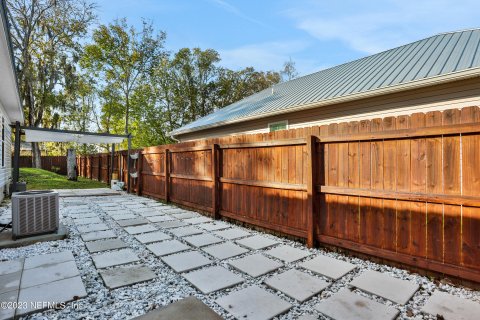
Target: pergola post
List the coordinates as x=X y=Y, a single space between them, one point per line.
x=128 y=162
x=112 y=162
x=16 y=157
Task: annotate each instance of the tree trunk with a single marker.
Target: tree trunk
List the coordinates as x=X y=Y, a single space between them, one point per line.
x=71 y=165
x=36 y=156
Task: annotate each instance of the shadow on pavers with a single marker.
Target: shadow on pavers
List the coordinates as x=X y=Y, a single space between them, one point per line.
x=187 y=309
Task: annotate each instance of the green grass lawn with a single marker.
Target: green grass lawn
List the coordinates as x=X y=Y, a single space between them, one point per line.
x=39 y=179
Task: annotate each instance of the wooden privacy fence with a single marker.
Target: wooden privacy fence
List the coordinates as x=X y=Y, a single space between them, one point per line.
x=56 y=164
x=404 y=188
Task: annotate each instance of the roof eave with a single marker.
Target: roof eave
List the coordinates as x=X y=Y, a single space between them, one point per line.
x=450 y=77
x=15 y=114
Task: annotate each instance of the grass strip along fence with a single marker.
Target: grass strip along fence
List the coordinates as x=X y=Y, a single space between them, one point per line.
x=405 y=189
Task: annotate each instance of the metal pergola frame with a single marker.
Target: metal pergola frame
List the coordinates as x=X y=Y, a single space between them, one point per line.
x=16 y=150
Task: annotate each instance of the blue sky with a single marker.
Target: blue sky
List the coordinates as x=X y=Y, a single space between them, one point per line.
x=315 y=34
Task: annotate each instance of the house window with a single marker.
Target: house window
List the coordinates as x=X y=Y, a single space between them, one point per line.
x=275 y=126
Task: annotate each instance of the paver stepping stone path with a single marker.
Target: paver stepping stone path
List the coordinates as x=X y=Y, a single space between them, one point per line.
x=167 y=247
x=213 y=279
x=185 y=215
x=214 y=226
x=10 y=282
x=151 y=213
x=105 y=245
x=97 y=235
x=92 y=227
x=451 y=307
x=126 y=216
x=48 y=273
x=346 y=305
x=152 y=237
x=255 y=265
x=225 y=250
x=198 y=220
x=288 y=253
x=297 y=284
x=125 y=276
x=132 y=222
x=172 y=224
x=189 y=308
x=202 y=240
x=307 y=317
x=12 y=266
x=88 y=221
x=48 y=259
x=186 y=261
x=54 y=292
x=231 y=234
x=385 y=286
x=11 y=296
x=83 y=215
x=140 y=229
x=257 y=242
x=329 y=267
x=114 y=258
x=185 y=231
x=160 y=218
x=253 y=303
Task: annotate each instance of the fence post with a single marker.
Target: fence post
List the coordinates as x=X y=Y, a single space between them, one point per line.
x=91 y=167
x=167 y=175
x=311 y=192
x=215 y=182
x=139 y=172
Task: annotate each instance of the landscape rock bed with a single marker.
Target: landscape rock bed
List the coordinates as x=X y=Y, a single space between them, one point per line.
x=169 y=286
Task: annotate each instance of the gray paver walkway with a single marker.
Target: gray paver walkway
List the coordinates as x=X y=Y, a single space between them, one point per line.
x=167 y=247
x=186 y=261
x=288 y=253
x=202 y=240
x=329 y=267
x=140 y=229
x=297 y=284
x=346 y=305
x=232 y=233
x=385 y=286
x=98 y=235
x=451 y=307
x=152 y=237
x=213 y=279
x=253 y=303
x=225 y=250
x=124 y=276
x=257 y=242
x=105 y=245
x=132 y=222
x=255 y=265
x=114 y=258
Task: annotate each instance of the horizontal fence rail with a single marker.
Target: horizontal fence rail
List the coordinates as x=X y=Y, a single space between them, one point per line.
x=405 y=189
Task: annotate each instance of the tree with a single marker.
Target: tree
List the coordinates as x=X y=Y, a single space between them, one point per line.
x=121 y=57
x=233 y=86
x=45 y=37
x=289 y=71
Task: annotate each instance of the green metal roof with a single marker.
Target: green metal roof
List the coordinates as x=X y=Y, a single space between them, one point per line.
x=436 y=57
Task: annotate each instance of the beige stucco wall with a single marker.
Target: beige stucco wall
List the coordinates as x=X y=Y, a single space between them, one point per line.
x=440 y=97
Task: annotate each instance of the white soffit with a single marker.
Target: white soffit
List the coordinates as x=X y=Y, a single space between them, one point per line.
x=55 y=136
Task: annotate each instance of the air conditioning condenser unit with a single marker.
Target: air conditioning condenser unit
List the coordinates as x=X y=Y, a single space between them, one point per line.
x=34 y=212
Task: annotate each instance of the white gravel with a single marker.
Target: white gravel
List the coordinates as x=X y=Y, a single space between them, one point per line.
x=131 y=301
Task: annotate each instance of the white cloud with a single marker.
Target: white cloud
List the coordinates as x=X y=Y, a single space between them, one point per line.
x=268 y=56
x=375 y=26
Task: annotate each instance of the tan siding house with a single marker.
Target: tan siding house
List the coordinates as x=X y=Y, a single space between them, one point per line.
x=437 y=73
